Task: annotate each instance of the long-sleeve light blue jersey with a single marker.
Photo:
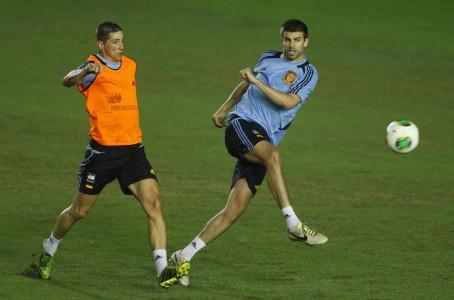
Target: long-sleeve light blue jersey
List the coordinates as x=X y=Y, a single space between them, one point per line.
x=274 y=70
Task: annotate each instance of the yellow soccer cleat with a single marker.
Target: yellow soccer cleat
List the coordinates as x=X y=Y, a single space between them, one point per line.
x=183 y=267
x=168 y=277
x=305 y=234
x=45 y=265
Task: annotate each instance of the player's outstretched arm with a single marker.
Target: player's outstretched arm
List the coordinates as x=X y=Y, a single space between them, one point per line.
x=218 y=117
x=75 y=76
x=279 y=98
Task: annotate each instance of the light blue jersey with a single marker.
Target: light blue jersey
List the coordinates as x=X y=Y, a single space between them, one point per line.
x=274 y=70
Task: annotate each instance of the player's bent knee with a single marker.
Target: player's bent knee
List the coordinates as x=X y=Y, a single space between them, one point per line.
x=274 y=158
x=234 y=211
x=240 y=208
x=230 y=216
x=78 y=212
x=152 y=206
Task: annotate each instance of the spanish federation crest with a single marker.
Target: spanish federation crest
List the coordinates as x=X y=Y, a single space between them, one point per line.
x=289 y=78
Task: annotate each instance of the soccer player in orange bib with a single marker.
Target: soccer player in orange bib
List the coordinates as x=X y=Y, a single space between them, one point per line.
x=115 y=151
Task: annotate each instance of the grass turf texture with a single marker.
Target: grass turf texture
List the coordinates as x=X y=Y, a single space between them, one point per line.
x=389 y=217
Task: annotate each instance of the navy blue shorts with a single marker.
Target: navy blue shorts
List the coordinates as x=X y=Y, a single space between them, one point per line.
x=240 y=137
x=103 y=164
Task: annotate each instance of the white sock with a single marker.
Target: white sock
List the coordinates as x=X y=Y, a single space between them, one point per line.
x=192 y=248
x=50 y=245
x=290 y=218
x=160 y=260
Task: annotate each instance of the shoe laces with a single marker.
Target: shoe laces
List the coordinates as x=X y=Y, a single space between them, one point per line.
x=46 y=259
x=308 y=231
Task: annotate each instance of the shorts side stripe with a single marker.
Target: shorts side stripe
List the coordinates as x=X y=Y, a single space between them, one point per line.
x=239 y=130
x=85 y=162
x=242 y=135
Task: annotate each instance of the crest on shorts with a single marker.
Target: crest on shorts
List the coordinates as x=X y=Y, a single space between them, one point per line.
x=91 y=177
x=289 y=78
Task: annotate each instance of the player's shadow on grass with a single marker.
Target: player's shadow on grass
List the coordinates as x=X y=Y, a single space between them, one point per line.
x=31 y=273
x=72 y=288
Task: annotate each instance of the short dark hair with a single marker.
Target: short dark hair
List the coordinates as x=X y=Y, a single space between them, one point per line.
x=295 y=25
x=105 y=29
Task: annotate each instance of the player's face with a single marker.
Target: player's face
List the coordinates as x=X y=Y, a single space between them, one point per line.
x=293 y=44
x=112 y=49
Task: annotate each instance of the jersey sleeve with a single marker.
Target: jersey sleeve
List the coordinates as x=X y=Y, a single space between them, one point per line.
x=265 y=55
x=87 y=80
x=304 y=87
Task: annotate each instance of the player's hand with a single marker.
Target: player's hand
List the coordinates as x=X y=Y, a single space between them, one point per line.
x=247 y=75
x=93 y=68
x=218 y=118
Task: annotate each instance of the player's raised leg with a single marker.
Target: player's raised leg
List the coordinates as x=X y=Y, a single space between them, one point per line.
x=238 y=201
x=147 y=193
x=266 y=154
x=80 y=206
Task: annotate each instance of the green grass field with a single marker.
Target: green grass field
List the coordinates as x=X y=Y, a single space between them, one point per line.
x=389 y=217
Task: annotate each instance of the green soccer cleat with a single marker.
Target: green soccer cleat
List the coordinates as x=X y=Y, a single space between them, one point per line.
x=45 y=265
x=183 y=267
x=306 y=235
x=168 y=277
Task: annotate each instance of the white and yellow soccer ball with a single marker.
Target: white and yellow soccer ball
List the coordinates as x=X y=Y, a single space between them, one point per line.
x=402 y=136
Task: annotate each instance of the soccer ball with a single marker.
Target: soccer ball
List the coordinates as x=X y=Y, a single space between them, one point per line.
x=402 y=136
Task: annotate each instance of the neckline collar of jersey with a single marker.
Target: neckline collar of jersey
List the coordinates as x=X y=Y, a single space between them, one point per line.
x=109 y=64
x=296 y=62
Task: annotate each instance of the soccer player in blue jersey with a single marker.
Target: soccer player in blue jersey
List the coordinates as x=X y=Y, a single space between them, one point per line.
x=264 y=105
